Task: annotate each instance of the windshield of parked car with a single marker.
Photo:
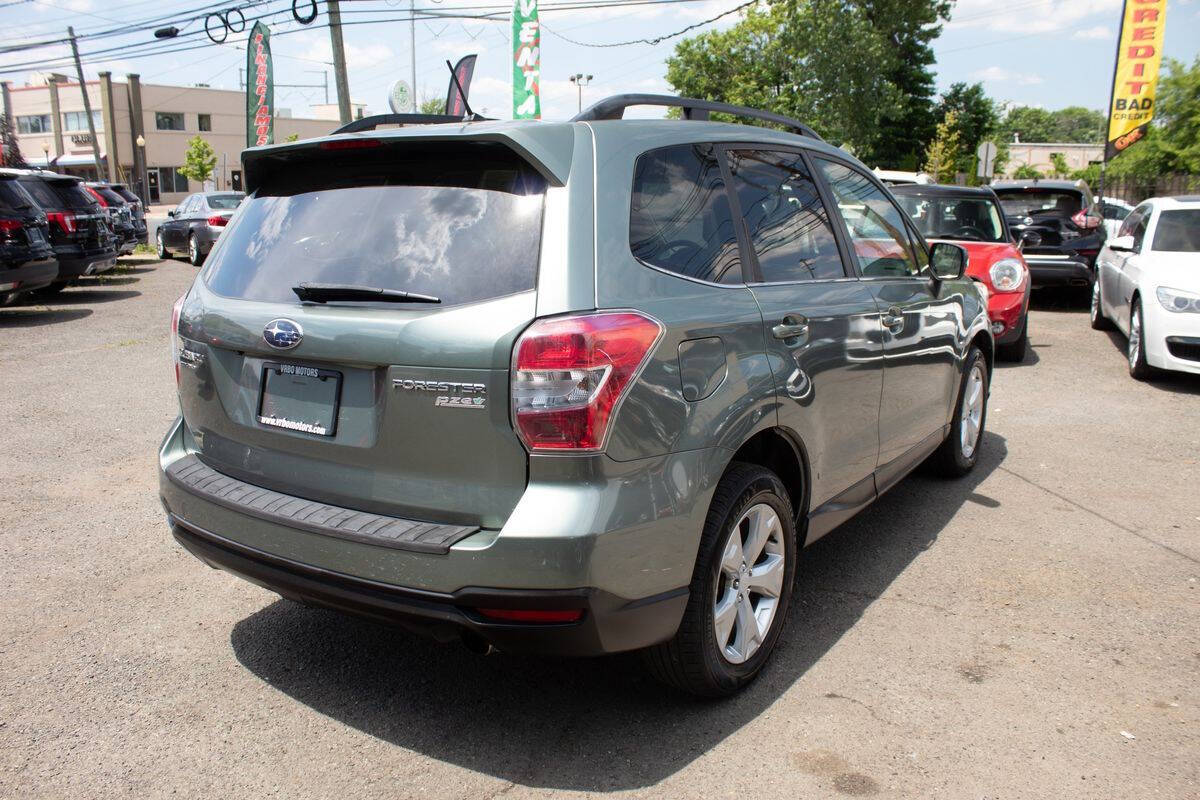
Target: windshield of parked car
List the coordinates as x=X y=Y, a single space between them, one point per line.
x=1178 y=231
x=13 y=197
x=974 y=219
x=224 y=202
x=1034 y=202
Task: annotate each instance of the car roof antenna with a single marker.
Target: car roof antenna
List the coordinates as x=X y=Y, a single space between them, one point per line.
x=470 y=115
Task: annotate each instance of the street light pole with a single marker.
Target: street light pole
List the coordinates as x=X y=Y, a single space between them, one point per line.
x=580 y=80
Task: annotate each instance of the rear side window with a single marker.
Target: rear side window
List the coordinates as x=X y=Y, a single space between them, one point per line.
x=73 y=195
x=41 y=193
x=460 y=223
x=679 y=215
x=13 y=197
x=787 y=222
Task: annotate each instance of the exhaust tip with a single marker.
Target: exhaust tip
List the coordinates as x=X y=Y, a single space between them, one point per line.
x=476 y=643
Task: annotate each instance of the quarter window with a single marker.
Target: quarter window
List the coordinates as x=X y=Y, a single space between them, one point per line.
x=679 y=216
x=168 y=121
x=785 y=218
x=1135 y=225
x=877 y=231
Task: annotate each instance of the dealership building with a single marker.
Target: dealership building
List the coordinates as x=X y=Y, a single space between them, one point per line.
x=49 y=120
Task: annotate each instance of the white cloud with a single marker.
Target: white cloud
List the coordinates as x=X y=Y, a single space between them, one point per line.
x=1002 y=75
x=1098 y=32
x=1030 y=16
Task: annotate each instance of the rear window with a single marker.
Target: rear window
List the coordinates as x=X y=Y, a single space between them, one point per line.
x=1026 y=203
x=41 y=193
x=224 y=202
x=109 y=195
x=13 y=197
x=462 y=224
x=129 y=196
x=1178 y=231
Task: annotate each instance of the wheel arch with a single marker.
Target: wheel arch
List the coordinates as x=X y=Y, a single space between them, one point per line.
x=782 y=452
x=985 y=343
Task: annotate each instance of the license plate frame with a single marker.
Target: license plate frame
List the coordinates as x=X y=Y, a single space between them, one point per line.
x=274 y=408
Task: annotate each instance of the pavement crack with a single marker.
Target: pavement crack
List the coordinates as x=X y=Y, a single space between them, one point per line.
x=874 y=714
x=1100 y=516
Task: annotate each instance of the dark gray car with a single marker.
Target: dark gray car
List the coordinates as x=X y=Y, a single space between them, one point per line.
x=566 y=388
x=196 y=224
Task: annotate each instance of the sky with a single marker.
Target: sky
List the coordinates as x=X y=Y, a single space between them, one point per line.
x=1048 y=53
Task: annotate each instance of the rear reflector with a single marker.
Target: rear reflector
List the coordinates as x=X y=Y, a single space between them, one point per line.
x=533 y=614
x=570 y=374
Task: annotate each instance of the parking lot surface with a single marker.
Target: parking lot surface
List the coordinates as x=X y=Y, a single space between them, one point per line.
x=1030 y=631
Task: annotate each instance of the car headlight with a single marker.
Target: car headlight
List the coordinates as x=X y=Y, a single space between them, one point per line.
x=1007 y=275
x=1178 y=301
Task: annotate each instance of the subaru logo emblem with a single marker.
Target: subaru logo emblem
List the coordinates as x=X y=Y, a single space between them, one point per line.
x=282 y=334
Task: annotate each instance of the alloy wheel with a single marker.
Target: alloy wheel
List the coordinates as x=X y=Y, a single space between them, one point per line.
x=1135 y=336
x=753 y=562
x=972 y=411
x=1096 y=300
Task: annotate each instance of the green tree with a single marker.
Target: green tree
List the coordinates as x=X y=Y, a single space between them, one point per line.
x=198 y=161
x=294 y=137
x=1078 y=124
x=10 y=151
x=433 y=105
x=1178 y=115
x=1059 y=162
x=1030 y=124
x=976 y=120
x=944 y=155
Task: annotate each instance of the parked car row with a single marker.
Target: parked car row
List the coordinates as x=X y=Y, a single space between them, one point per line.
x=53 y=230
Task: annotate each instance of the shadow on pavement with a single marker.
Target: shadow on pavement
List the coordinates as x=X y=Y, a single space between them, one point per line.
x=1163 y=380
x=17 y=317
x=1055 y=298
x=1031 y=357
x=592 y=724
x=89 y=295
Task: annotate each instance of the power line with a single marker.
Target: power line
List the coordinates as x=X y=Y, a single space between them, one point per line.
x=656 y=39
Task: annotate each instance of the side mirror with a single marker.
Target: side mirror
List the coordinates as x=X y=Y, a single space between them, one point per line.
x=947 y=261
x=171 y=214
x=1122 y=243
x=1029 y=239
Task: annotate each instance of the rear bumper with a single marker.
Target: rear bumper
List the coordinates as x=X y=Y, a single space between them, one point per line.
x=1064 y=271
x=612 y=545
x=77 y=264
x=29 y=276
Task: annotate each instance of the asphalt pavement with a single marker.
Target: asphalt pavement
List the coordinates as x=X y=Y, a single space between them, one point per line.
x=1030 y=631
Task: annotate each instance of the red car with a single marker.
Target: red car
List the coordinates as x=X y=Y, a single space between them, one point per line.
x=973 y=218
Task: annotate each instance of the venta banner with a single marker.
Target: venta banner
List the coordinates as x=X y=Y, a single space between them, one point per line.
x=260 y=88
x=527 y=61
x=1135 y=79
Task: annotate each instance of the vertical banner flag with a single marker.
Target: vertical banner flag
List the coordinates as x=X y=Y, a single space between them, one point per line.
x=456 y=103
x=260 y=88
x=1135 y=76
x=527 y=61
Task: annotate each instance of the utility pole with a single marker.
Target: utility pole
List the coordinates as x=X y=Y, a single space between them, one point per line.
x=412 y=49
x=339 y=60
x=87 y=106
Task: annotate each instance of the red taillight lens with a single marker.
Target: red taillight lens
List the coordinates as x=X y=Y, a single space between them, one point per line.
x=570 y=373
x=176 y=345
x=99 y=197
x=8 y=227
x=218 y=222
x=1086 y=220
x=533 y=614
x=64 y=220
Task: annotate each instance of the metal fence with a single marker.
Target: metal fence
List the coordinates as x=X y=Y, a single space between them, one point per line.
x=1134 y=191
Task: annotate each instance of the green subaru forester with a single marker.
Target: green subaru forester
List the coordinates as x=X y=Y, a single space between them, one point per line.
x=568 y=388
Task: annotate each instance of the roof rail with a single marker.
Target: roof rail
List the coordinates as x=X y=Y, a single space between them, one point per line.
x=373 y=122
x=614 y=108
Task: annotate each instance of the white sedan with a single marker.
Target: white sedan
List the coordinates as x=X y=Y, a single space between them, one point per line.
x=1148 y=285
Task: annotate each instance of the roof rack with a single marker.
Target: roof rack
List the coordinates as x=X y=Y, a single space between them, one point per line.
x=614 y=108
x=373 y=122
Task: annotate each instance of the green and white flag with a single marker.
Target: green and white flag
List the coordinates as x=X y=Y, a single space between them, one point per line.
x=527 y=60
x=260 y=88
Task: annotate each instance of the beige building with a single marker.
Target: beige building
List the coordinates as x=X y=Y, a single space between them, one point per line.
x=1037 y=155
x=52 y=130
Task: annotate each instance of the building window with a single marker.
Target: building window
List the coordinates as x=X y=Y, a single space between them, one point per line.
x=170 y=180
x=77 y=121
x=204 y=122
x=34 y=123
x=168 y=121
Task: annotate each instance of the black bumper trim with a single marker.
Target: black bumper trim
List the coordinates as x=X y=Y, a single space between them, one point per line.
x=609 y=624
x=1058 y=273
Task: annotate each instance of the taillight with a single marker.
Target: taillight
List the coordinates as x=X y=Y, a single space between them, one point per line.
x=1085 y=220
x=99 y=197
x=176 y=343
x=541 y=615
x=570 y=374
x=64 y=220
x=8 y=227
x=218 y=222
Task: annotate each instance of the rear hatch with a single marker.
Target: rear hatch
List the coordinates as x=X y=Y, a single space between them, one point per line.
x=23 y=232
x=75 y=218
x=399 y=408
x=1047 y=212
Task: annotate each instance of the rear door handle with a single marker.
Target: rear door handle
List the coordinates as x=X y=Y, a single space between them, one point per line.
x=791 y=327
x=893 y=318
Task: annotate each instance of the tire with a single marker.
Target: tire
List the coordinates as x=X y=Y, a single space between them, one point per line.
x=1139 y=367
x=1098 y=320
x=693 y=660
x=160 y=249
x=195 y=257
x=953 y=458
x=1015 y=350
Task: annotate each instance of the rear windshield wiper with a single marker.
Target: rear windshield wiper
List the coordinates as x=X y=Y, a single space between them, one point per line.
x=348 y=292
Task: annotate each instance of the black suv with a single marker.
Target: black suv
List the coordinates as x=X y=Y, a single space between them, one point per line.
x=137 y=210
x=120 y=215
x=1061 y=226
x=26 y=259
x=79 y=231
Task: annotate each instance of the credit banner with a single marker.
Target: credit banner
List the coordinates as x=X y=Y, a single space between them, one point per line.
x=456 y=103
x=260 y=88
x=1135 y=79
x=527 y=61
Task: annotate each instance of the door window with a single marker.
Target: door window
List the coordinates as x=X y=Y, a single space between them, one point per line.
x=679 y=215
x=1135 y=225
x=877 y=231
x=788 y=225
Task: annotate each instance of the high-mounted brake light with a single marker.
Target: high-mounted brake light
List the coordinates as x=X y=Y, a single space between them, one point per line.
x=176 y=343
x=64 y=220
x=218 y=221
x=349 y=144
x=570 y=374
